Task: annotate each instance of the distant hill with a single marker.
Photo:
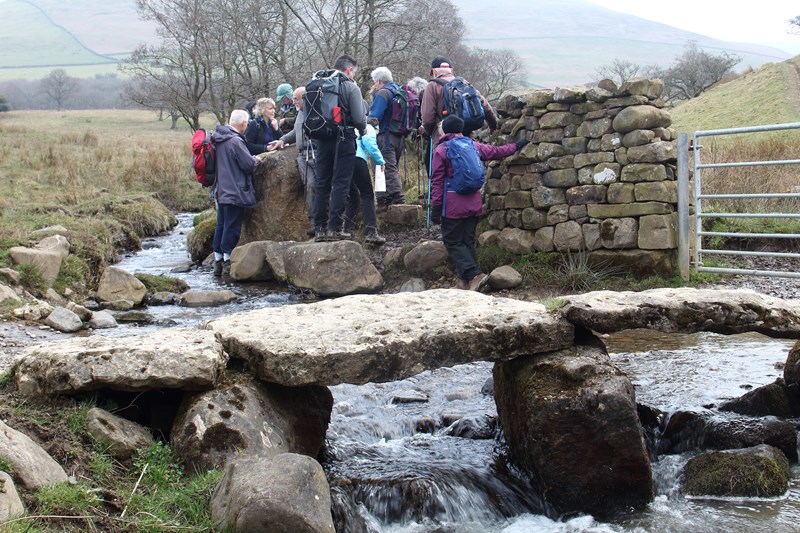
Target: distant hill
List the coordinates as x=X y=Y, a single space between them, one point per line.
x=769 y=95
x=562 y=43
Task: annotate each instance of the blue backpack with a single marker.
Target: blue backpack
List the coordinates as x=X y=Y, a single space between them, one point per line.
x=462 y=100
x=468 y=171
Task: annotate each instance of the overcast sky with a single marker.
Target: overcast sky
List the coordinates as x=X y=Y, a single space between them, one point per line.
x=763 y=22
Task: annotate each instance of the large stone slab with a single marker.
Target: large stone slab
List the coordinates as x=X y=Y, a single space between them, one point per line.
x=359 y=339
x=31 y=464
x=686 y=310
x=176 y=358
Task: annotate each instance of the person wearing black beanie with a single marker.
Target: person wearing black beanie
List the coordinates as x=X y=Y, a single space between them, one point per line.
x=452 y=124
x=457 y=176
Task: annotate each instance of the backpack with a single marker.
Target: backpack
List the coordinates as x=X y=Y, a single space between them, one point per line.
x=204 y=157
x=468 y=171
x=324 y=118
x=405 y=103
x=462 y=100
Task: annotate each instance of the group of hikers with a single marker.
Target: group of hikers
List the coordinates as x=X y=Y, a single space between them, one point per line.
x=335 y=130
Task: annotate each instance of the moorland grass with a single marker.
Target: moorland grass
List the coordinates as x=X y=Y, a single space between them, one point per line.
x=110 y=177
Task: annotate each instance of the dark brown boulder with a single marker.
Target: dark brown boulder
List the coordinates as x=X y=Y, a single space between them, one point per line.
x=571 y=422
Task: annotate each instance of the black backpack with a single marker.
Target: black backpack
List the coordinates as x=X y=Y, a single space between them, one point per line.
x=324 y=116
x=462 y=100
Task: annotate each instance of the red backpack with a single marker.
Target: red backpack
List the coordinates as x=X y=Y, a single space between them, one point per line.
x=204 y=157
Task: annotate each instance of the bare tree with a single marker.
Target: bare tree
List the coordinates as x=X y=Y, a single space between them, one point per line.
x=59 y=87
x=794 y=25
x=695 y=71
x=619 y=71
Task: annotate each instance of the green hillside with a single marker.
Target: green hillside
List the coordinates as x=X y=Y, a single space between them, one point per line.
x=30 y=39
x=769 y=95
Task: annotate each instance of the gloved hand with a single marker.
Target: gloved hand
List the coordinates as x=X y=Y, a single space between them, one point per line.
x=436 y=214
x=521 y=144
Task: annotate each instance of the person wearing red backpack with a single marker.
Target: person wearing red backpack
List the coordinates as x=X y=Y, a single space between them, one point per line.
x=459 y=210
x=390 y=144
x=235 y=188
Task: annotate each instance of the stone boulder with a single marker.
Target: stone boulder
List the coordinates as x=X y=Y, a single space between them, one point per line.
x=120 y=436
x=685 y=309
x=32 y=465
x=200 y=298
x=687 y=430
x=47 y=261
x=791 y=370
x=773 y=399
x=425 y=256
x=11 y=505
x=406 y=215
x=102 y=320
x=247 y=418
x=64 y=320
x=249 y=263
x=505 y=277
x=174 y=358
x=117 y=284
x=274 y=257
x=8 y=294
x=641 y=117
x=757 y=472
x=361 y=339
x=280 y=213
x=331 y=268
x=287 y=493
x=571 y=423
x=56 y=243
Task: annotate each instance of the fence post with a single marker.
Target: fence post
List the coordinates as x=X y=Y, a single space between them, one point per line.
x=683 y=205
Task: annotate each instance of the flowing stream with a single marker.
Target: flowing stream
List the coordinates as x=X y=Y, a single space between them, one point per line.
x=422 y=455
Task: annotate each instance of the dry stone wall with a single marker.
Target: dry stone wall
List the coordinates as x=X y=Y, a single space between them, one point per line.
x=598 y=175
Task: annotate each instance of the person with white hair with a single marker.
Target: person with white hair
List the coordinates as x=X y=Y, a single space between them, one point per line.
x=235 y=189
x=390 y=144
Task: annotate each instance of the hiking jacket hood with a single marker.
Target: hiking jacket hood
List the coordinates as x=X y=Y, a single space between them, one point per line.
x=235 y=167
x=460 y=205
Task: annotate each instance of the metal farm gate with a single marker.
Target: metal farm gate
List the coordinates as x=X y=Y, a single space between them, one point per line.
x=691 y=239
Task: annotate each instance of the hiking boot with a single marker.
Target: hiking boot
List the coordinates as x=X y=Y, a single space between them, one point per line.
x=320 y=236
x=218 y=268
x=338 y=236
x=374 y=238
x=226 y=268
x=478 y=282
x=462 y=284
x=397 y=199
x=311 y=232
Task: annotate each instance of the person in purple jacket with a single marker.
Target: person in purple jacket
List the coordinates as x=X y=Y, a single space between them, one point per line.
x=234 y=189
x=462 y=212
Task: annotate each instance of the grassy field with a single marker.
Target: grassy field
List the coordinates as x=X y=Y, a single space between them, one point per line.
x=110 y=177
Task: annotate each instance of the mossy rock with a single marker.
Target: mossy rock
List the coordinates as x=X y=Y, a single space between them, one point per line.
x=758 y=472
x=200 y=241
x=162 y=283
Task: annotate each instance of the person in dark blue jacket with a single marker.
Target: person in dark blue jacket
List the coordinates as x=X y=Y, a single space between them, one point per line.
x=263 y=129
x=234 y=188
x=391 y=144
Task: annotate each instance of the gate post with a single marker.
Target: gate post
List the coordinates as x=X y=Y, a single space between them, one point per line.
x=683 y=205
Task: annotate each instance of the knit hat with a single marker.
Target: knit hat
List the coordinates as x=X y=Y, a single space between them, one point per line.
x=441 y=62
x=284 y=90
x=452 y=124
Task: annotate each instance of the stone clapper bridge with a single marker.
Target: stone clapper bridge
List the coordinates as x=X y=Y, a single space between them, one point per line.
x=569 y=415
